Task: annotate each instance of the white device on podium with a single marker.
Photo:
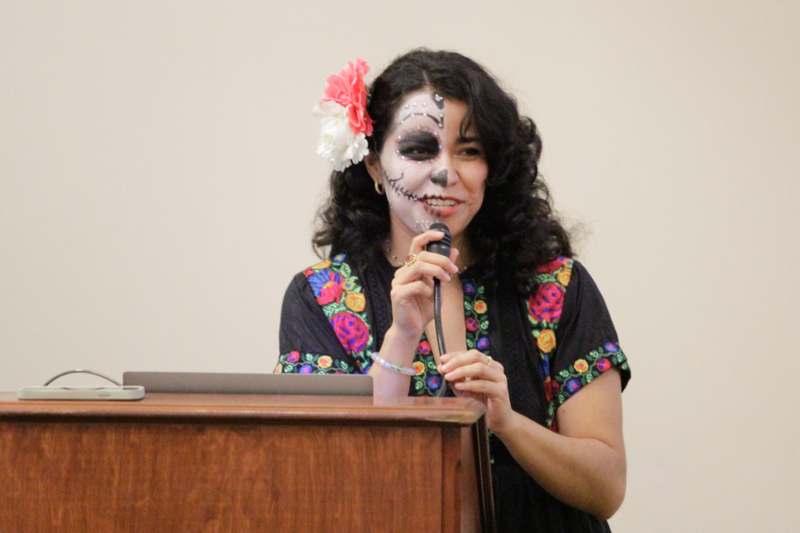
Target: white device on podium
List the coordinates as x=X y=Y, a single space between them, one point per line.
x=47 y=392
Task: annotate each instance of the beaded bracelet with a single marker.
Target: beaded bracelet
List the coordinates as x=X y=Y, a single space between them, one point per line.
x=391 y=366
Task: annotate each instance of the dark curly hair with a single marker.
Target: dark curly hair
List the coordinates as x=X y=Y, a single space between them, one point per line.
x=515 y=230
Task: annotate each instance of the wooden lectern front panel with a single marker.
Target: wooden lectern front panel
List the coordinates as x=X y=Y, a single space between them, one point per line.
x=210 y=462
x=134 y=475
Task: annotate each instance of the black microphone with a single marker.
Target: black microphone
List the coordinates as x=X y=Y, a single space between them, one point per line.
x=441 y=247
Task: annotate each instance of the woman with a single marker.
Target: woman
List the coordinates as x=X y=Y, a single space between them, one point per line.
x=527 y=330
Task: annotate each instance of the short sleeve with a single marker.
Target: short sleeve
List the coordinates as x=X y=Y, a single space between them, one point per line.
x=308 y=344
x=587 y=342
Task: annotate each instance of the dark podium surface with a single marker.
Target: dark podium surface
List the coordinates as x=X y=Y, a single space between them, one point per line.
x=208 y=462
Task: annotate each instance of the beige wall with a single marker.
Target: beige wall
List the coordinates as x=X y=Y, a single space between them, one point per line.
x=158 y=183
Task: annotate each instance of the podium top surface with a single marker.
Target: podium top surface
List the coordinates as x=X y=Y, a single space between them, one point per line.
x=255 y=407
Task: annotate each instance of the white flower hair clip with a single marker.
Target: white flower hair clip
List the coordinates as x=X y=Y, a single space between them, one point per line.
x=344 y=122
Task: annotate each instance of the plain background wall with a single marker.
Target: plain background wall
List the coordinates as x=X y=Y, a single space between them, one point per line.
x=158 y=184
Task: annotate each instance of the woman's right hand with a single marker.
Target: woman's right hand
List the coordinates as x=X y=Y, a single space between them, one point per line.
x=412 y=286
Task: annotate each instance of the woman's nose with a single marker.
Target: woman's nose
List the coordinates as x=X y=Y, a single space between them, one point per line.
x=440 y=178
x=446 y=174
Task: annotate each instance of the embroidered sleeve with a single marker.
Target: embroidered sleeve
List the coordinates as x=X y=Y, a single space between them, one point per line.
x=296 y=362
x=324 y=324
x=308 y=343
x=573 y=331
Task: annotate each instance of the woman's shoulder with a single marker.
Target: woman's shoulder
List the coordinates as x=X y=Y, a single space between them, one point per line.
x=325 y=270
x=319 y=276
x=546 y=301
x=558 y=271
x=329 y=263
x=561 y=280
x=564 y=271
x=333 y=281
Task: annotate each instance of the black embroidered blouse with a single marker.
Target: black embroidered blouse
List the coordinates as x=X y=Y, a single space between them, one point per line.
x=552 y=343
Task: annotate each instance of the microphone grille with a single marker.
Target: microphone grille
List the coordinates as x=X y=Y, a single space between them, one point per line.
x=442 y=246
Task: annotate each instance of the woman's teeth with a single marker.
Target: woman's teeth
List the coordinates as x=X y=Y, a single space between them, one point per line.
x=439 y=202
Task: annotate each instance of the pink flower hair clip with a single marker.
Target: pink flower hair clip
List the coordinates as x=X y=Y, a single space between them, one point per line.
x=345 y=124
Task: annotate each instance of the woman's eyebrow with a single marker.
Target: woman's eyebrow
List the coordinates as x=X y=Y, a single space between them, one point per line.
x=466 y=140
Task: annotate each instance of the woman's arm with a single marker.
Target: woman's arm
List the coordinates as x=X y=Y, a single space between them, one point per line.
x=396 y=348
x=412 y=309
x=583 y=465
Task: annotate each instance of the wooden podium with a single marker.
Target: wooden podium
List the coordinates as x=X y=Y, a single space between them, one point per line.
x=202 y=462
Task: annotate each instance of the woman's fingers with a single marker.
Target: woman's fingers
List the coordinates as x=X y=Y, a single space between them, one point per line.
x=471 y=364
x=479 y=387
x=414 y=289
x=454 y=360
x=422 y=264
x=437 y=259
x=472 y=395
x=477 y=374
x=470 y=356
x=413 y=283
x=419 y=270
x=425 y=257
x=475 y=371
x=419 y=242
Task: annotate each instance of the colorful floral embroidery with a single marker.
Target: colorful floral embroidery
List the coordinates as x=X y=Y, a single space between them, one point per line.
x=339 y=293
x=428 y=380
x=351 y=330
x=544 y=312
x=545 y=340
x=355 y=301
x=346 y=313
x=546 y=303
x=476 y=312
x=326 y=284
x=584 y=370
x=476 y=321
x=309 y=363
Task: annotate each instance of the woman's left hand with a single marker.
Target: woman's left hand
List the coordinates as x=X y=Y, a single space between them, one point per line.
x=483 y=378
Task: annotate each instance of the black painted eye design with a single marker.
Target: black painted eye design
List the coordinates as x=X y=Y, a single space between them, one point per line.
x=419 y=147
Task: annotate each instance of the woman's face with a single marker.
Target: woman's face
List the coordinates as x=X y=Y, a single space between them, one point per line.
x=430 y=172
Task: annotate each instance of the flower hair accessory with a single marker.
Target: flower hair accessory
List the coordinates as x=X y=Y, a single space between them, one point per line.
x=345 y=124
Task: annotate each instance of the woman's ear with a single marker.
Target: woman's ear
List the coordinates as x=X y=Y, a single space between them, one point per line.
x=373 y=164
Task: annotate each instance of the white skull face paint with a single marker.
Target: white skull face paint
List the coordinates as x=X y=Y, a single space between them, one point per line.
x=430 y=171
